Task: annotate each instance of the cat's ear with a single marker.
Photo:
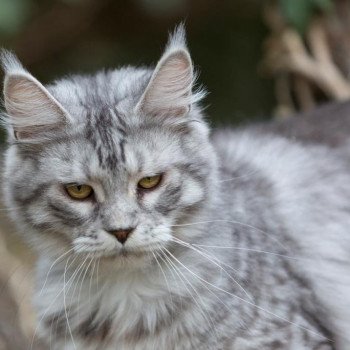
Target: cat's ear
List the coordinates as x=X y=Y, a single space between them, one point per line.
x=31 y=110
x=170 y=90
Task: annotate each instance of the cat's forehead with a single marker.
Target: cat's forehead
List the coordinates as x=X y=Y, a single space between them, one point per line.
x=107 y=149
x=110 y=136
x=120 y=88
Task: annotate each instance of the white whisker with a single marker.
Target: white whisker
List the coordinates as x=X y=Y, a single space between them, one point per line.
x=208 y=289
x=239 y=177
x=250 y=250
x=83 y=279
x=53 y=301
x=165 y=278
x=65 y=305
x=9 y=209
x=232 y=222
x=246 y=301
x=91 y=278
x=97 y=273
x=177 y=240
x=183 y=279
x=77 y=277
x=52 y=265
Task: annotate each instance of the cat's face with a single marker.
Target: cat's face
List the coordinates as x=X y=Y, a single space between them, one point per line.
x=114 y=168
x=104 y=170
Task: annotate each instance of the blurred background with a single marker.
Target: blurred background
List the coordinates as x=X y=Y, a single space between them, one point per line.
x=238 y=46
x=54 y=38
x=259 y=59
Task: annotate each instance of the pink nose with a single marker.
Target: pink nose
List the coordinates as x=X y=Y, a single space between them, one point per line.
x=122 y=234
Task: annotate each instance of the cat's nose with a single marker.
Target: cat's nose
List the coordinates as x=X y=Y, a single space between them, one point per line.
x=121 y=234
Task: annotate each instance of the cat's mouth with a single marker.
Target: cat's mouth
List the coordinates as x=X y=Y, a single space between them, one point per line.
x=128 y=254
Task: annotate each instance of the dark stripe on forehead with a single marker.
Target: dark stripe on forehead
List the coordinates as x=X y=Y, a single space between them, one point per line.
x=89 y=132
x=121 y=131
x=103 y=132
x=99 y=155
x=122 y=150
x=111 y=160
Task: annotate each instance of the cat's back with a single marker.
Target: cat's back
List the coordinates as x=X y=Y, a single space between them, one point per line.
x=312 y=149
x=304 y=163
x=326 y=125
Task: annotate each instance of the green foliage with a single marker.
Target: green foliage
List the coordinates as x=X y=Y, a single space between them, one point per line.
x=298 y=13
x=225 y=38
x=13 y=14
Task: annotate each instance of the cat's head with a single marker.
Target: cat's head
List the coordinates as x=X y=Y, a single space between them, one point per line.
x=107 y=164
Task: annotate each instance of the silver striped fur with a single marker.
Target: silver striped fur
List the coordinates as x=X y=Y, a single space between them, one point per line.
x=244 y=245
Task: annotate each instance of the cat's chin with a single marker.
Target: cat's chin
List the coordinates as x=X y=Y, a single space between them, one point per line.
x=126 y=260
x=129 y=254
x=129 y=257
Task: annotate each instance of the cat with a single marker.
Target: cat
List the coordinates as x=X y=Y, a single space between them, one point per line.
x=152 y=232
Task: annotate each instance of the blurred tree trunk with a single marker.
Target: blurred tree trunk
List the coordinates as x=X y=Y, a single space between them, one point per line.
x=11 y=335
x=17 y=319
x=309 y=67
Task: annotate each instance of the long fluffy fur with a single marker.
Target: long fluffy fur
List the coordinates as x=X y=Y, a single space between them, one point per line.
x=243 y=245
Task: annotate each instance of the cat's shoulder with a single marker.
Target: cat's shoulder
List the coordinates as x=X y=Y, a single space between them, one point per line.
x=302 y=139
x=327 y=124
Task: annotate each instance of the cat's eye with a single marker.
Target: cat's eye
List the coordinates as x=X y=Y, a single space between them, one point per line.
x=149 y=182
x=77 y=191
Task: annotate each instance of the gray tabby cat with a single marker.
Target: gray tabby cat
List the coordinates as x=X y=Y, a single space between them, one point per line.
x=151 y=234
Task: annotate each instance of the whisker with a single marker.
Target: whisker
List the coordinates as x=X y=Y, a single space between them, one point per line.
x=246 y=301
x=162 y=271
x=91 y=277
x=65 y=305
x=52 y=265
x=209 y=290
x=97 y=272
x=250 y=250
x=53 y=301
x=233 y=222
x=206 y=317
x=165 y=278
x=169 y=267
x=215 y=258
x=70 y=280
x=9 y=209
x=82 y=281
x=76 y=278
x=215 y=263
x=239 y=177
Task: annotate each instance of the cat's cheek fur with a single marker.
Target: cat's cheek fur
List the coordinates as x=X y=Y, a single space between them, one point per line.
x=192 y=193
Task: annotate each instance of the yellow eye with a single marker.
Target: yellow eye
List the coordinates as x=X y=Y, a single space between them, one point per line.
x=149 y=182
x=79 y=191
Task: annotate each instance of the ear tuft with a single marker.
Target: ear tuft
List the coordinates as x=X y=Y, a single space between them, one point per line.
x=177 y=39
x=10 y=63
x=31 y=109
x=169 y=92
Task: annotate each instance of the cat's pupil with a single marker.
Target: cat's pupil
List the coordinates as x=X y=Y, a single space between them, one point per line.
x=79 y=187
